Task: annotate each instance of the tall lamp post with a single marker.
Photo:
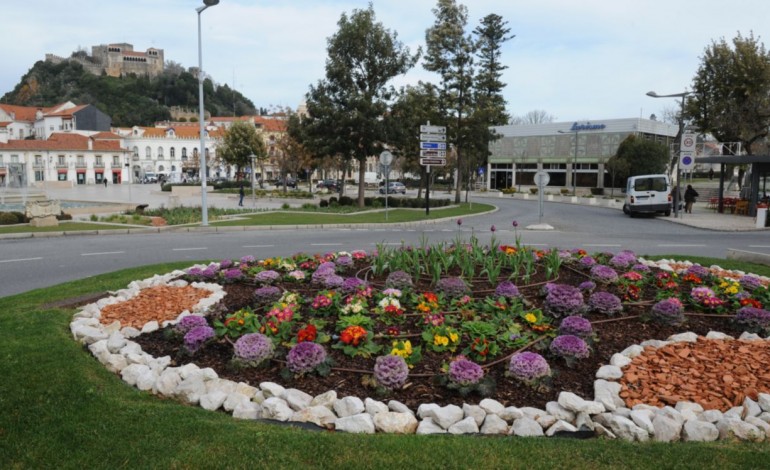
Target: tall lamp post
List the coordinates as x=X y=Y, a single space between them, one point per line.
x=682 y=95
x=253 y=193
x=204 y=208
x=574 y=160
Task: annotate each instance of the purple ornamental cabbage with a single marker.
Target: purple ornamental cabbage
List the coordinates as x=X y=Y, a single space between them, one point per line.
x=507 y=289
x=755 y=320
x=225 y=264
x=399 y=280
x=639 y=267
x=698 y=270
x=304 y=357
x=563 y=300
x=351 y=285
x=189 y=322
x=197 y=337
x=332 y=281
x=267 y=276
x=605 y=303
x=344 y=261
x=248 y=259
x=391 y=371
x=569 y=347
x=464 y=372
x=327 y=266
x=623 y=259
x=232 y=274
x=669 y=311
x=452 y=287
x=253 y=348
x=587 y=286
x=577 y=326
x=210 y=272
x=267 y=295
x=750 y=283
x=587 y=261
x=604 y=273
x=528 y=367
x=194 y=272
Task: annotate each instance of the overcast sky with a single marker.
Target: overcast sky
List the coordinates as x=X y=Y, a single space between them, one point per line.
x=576 y=59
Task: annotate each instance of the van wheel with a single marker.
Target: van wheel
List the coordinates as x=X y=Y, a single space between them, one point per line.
x=625 y=209
x=632 y=214
x=668 y=213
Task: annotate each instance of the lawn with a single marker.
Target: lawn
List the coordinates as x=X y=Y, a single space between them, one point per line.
x=60 y=408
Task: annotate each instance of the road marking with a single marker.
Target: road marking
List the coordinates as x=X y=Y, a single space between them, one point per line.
x=103 y=253
x=387 y=243
x=258 y=246
x=602 y=244
x=20 y=259
x=326 y=244
x=759 y=246
x=677 y=245
x=189 y=249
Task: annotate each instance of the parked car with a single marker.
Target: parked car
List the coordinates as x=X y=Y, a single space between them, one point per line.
x=649 y=194
x=394 y=187
x=150 y=178
x=331 y=185
x=290 y=183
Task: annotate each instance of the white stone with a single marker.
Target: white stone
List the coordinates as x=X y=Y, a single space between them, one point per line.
x=491 y=406
x=259 y=397
x=699 y=431
x=643 y=419
x=464 y=426
x=326 y=399
x=511 y=413
x=559 y=412
x=100 y=350
x=234 y=400
x=765 y=416
x=191 y=388
x=130 y=373
x=88 y=334
x=398 y=407
x=373 y=407
x=712 y=416
x=620 y=360
x=272 y=389
x=146 y=380
x=445 y=416
x=213 y=400
x=427 y=426
x=150 y=326
x=688 y=337
x=115 y=342
x=130 y=332
x=297 y=399
x=670 y=412
x=609 y=372
x=159 y=364
x=735 y=412
x=574 y=403
x=600 y=431
x=583 y=420
x=167 y=382
x=741 y=430
x=531 y=412
x=476 y=412
x=277 y=409
x=632 y=351
x=526 y=427
x=356 y=424
x=220 y=385
x=608 y=394
x=749 y=336
x=751 y=408
x=395 y=423
x=246 y=410
x=348 y=406
x=116 y=363
x=560 y=426
x=424 y=410
x=318 y=415
x=625 y=429
x=187 y=370
x=717 y=335
x=655 y=343
x=133 y=347
x=666 y=429
x=493 y=424
x=760 y=424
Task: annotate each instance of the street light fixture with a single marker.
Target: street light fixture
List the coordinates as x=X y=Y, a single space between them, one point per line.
x=574 y=159
x=202 y=157
x=682 y=95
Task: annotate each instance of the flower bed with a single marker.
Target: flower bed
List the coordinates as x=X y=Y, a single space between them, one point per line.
x=445 y=325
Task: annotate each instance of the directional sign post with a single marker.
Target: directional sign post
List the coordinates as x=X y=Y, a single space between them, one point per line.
x=432 y=152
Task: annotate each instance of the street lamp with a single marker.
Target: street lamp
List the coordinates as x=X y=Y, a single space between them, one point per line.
x=678 y=138
x=204 y=208
x=574 y=159
x=253 y=194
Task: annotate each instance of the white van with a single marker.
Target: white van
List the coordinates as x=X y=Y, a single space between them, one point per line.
x=648 y=194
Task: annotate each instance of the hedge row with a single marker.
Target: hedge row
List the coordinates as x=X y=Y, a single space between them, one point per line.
x=378 y=202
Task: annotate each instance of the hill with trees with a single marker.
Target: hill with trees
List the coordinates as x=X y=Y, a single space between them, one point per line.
x=129 y=100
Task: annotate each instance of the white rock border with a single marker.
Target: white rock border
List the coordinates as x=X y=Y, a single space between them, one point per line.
x=605 y=415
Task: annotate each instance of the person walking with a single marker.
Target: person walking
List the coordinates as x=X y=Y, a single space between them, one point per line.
x=689 y=198
x=105 y=182
x=241 y=193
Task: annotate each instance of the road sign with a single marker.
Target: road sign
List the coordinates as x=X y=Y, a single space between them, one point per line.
x=386 y=158
x=433 y=153
x=688 y=142
x=433 y=145
x=686 y=161
x=433 y=161
x=433 y=137
x=433 y=129
x=542 y=178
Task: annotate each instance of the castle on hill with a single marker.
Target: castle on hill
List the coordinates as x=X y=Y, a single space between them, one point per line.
x=116 y=60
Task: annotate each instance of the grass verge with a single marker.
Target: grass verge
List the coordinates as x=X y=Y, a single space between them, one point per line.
x=60 y=408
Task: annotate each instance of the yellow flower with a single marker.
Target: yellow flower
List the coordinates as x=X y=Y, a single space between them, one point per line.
x=530 y=317
x=440 y=340
x=453 y=336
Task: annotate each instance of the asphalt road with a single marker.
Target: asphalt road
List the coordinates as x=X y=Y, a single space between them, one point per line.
x=31 y=263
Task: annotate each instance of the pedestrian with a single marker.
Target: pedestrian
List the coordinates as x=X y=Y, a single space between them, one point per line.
x=241 y=193
x=689 y=198
x=105 y=182
x=711 y=173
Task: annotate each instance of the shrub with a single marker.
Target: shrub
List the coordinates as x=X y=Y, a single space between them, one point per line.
x=323 y=203
x=252 y=349
x=533 y=190
x=576 y=325
x=570 y=347
x=452 y=287
x=391 y=371
x=755 y=320
x=605 y=303
x=669 y=311
x=563 y=300
x=346 y=201
x=333 y=201
x=7 y=218
x=64 y=216
x=305 y=357
x=597 y=191
x=529 y=367
x=564 y=191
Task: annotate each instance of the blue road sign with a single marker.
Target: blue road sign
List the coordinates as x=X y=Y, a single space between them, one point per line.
x=433 y=145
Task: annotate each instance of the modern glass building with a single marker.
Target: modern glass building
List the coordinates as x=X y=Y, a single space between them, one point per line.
x=566 y=150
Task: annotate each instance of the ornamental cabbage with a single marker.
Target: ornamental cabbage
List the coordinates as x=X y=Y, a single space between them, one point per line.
x=304 y=357
x=391 y=371
x=528 y=367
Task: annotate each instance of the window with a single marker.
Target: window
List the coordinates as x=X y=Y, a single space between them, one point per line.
x=172 y=152
x=136 y=152
x=99 y=160
x=81 y=160
x=115 y=160
x=148 y=153
x=60 y=161
x=39 y=175
x=195 y=152
x=38 y=161
x=184 y=153
x=14 y=159
x=160 y=153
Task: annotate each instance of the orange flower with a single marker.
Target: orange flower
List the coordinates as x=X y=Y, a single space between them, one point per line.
x=353 y=335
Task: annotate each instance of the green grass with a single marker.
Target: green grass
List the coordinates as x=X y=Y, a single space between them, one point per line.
x=60 y=408
x=62 y=227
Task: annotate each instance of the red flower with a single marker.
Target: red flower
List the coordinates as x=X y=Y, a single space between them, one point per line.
x=308 y=333
x=480 y=346
x=353 y=335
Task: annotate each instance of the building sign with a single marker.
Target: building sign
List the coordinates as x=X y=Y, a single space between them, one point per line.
x=587 y=127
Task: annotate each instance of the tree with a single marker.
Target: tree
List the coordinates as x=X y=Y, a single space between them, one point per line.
x=346 y=109
x=731 y=92
x=450 y=54
x=536 y=116
x=618 y=170
x=641 y=156
x=239 y=142
x=491 y=34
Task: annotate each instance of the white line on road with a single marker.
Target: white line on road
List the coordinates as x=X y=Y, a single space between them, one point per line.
x=20 y=259
x=326 y=244
x=602 y=245
x=759 y=246
x=189 y=249
x=258 y=246
x=678 y=245
x=103 y=253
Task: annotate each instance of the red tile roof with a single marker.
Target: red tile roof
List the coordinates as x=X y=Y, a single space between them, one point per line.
x=61 y=141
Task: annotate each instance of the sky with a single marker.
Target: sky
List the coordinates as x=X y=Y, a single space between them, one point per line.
x=578 y=60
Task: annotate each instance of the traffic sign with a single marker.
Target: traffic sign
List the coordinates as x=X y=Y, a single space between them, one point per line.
x=386 y=158
x=686 y=161
x=433 y=153
x=433 y=161
x=433 y=137
x=433 y=145
x=433 y=129
x=688 y=142
x=542 y=178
